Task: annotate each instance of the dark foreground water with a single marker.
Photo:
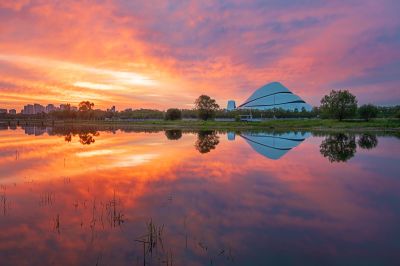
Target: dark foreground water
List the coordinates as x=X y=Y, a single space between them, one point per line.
x=84 y=196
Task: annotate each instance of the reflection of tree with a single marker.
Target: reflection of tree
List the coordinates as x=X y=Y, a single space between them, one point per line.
x=206 y=141
x=86 y=135
x=68 y=137
x=173 y=134
x=367 y=141
x=338 y=147
x=87 y=138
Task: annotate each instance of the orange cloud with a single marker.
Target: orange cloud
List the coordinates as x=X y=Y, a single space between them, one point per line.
x=182 y=51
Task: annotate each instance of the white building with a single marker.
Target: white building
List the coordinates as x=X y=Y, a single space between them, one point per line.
x=274 y=95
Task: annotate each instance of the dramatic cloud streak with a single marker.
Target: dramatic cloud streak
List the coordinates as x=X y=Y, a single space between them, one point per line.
x=160 y=54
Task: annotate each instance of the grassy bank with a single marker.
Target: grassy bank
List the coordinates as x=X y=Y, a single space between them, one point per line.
x=307 y=124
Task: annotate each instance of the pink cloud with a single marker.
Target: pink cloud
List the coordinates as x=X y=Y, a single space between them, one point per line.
x=223 y=49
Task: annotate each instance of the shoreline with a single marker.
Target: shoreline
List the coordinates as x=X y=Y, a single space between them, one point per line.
x=292 y=124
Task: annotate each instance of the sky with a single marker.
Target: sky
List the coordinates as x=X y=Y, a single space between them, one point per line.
x=162 y=54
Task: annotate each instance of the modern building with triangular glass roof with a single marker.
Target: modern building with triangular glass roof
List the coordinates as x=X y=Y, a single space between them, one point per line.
x=274 y=95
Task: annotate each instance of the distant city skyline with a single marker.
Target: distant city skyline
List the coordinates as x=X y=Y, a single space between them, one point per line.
x=31 y=109
x=36 y=108
x=165 y=54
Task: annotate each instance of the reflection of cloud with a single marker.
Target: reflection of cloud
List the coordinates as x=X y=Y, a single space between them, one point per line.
x=231 y=199
x=134 y=160
x=97 y=153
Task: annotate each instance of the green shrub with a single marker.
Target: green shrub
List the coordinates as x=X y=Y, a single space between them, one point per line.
x=173 y=114
x=368 y=111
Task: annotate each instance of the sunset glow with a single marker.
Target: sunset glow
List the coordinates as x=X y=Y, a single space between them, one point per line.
x=164 y=54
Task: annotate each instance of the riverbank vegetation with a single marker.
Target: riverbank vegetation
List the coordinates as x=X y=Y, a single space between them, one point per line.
x=306 y=124
x=338 y=110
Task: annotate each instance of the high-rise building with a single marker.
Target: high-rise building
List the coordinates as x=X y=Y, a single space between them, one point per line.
x=28 y=109
x=50 y=108
x=3 y=111
x=231 y=105
x=12 y=112
x=38 y=108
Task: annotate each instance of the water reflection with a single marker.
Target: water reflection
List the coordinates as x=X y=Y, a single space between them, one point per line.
x=87 y=138
x=37 y=130
x=336 y=147
x=173 y=134
x=134 y=198
x=274 y=145
x=367 y=141
x=207 y=140
x=340 y=147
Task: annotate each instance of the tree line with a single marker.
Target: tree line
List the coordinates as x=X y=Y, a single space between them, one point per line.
x=337 y=105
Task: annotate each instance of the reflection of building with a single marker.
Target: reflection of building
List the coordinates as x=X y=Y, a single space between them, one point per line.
x=231 y=135
x=34 y=130
x=273 y=145
x=274 y=95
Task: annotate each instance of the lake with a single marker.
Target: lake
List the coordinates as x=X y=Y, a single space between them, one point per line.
x=124 y=196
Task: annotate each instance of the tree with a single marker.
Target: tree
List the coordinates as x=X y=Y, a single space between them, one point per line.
x=67 y=107
x=339 y=104
x=338 y=147
x=368 y=111
x=85 y=106
x=173 y=114
x=206 y=107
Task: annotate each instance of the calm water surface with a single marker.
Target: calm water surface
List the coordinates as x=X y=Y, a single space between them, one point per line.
x=84 y=196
